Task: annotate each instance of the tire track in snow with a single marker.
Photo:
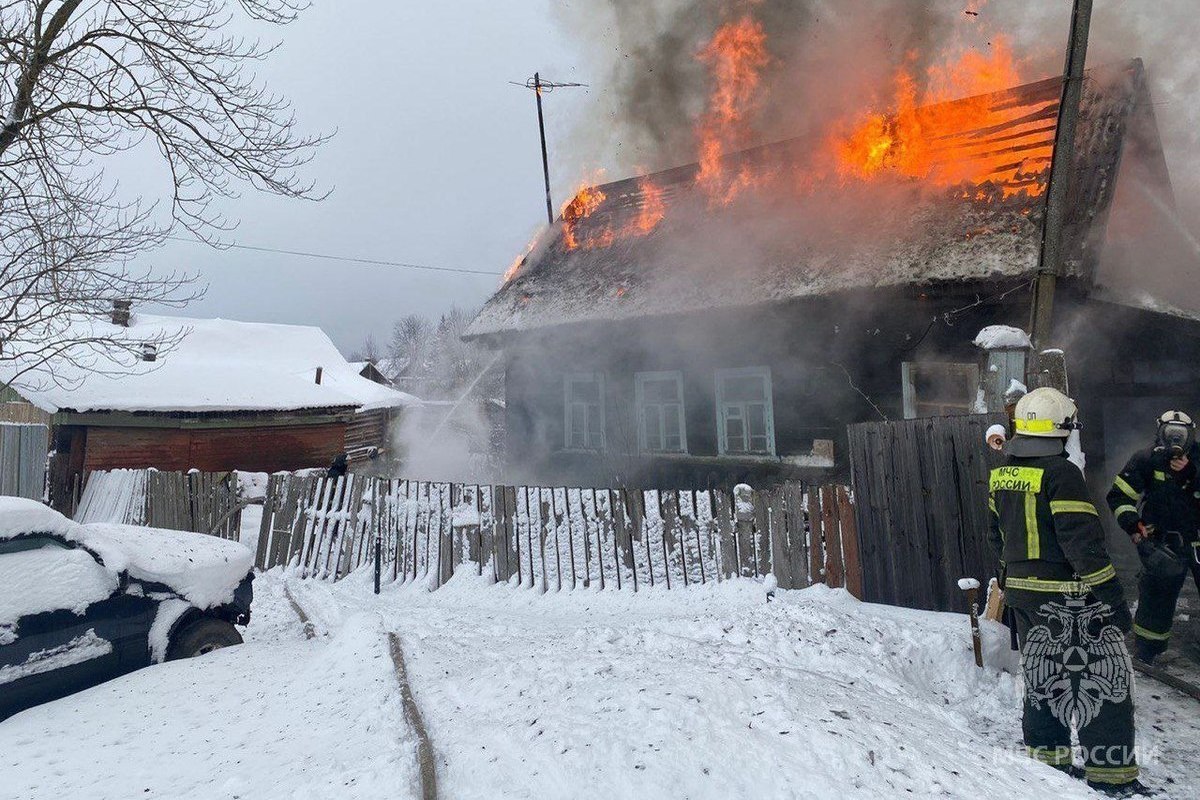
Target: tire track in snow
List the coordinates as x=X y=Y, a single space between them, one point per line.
x=310 y=631
x=425 y=757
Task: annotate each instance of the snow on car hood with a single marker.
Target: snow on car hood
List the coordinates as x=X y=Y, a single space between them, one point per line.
x=202 y=569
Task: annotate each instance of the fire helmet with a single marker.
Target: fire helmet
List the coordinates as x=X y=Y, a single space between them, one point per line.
x=1043 y=420
x=1176 y=431
x=1046 y=413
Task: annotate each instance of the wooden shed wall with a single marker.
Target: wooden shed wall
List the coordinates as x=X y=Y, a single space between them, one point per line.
x=263 y=449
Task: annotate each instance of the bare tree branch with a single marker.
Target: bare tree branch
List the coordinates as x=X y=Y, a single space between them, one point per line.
x=83 y=81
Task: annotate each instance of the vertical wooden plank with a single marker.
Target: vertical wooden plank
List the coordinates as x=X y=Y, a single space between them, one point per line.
x=727 y=556
x=797 y=533
x=781 y=562
x=696 y=521
x=557 y=516
x=834 y=575
x=600 y=535
x=668 y=505
x=499 y=538
x=816 y=537
x=582 y=525
x=613 y=517
x=743 y=514
x=512 y=527
x=544 y=533
x=637 y=516
x=762 y=535
x=562 y=519
x=529 y=535
x=619 y=500
x=850 y=550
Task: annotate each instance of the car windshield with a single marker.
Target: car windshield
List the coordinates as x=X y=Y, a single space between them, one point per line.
x=50 y=577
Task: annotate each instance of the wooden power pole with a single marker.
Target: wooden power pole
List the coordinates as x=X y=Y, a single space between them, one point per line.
x=1050 y=260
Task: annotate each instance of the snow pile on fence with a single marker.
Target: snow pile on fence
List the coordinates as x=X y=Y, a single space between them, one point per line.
x=117 y=495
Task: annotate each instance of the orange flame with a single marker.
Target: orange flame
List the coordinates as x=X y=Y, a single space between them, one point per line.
x=735 y=57
x=589 y=198
x=586 y=200
x=932 y=139
x=519 y=261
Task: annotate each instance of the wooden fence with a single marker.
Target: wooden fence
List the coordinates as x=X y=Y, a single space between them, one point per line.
x=544 y=537
x=23 y=460
x=205 y=502
x=555 y=537
x=922 y=513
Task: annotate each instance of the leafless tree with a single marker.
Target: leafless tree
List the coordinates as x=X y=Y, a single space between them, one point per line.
x=410 y=340
x=81 y=83
x=369 y=351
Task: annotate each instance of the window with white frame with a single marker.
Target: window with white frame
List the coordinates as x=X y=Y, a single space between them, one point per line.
x=584 y=410
x=661 y=424
x=745 y=417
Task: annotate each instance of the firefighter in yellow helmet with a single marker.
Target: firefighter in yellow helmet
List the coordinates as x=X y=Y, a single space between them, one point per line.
x=1070 y=611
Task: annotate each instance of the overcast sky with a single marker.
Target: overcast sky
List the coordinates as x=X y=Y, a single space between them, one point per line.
x=435 y=161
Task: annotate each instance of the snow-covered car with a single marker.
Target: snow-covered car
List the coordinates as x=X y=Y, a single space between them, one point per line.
x=80 y=604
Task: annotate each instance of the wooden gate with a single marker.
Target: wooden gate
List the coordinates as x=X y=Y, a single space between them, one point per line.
x=921 y=500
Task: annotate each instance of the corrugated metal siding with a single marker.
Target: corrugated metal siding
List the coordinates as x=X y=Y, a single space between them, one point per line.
x=267 y=449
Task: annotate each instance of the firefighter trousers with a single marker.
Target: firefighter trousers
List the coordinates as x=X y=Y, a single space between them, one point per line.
x=1077 y=671
x=1158 y=593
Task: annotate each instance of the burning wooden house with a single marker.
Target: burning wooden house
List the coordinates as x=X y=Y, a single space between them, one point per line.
x=726 y=320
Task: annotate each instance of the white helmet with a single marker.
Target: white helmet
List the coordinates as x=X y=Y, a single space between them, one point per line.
x=1045 y=413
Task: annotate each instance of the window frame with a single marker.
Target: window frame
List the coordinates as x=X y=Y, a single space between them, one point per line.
x=639 y=381
x=909 y=370
x=764 y=373
x=578 y=377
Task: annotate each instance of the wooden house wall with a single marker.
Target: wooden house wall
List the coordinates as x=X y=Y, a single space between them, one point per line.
x=256 y=449
x=824 y=356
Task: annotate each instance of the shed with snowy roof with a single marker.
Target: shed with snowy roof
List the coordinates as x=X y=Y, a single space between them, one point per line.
x=175 y=393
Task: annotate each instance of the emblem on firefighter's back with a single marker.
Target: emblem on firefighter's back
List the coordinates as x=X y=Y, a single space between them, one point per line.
x=1075 y=662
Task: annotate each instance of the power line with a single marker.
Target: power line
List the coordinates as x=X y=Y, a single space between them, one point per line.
x=349 y=259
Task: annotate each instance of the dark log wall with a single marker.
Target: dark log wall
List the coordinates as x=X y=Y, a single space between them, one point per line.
x=824 y=356
x=265 y=449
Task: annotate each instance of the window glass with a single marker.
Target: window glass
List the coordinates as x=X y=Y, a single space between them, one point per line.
x=660 y=412
x=51 y=578
x=744 y=399
x=584 y=411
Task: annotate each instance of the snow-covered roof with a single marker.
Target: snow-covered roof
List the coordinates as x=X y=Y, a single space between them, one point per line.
x=760 y=250
x=216 y=365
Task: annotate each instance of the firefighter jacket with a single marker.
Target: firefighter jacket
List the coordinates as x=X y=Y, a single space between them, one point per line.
x=1146 y=489
x=1048 y=534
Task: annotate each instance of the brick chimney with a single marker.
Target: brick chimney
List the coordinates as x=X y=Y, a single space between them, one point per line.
x=120 y=312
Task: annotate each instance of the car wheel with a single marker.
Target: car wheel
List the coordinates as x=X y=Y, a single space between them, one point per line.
x=202 y=636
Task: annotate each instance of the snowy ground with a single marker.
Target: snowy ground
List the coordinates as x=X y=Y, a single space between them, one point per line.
x=705 y=693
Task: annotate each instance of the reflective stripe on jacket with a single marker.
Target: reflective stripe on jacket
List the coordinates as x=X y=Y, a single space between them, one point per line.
x=1047 y=531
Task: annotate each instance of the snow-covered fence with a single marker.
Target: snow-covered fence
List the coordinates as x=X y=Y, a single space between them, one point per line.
x=205 y=502
x=23 y=459
x=555 y=537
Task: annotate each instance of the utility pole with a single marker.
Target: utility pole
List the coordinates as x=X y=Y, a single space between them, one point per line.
x=539 y=86
x=1050 y=260
x=537 y=92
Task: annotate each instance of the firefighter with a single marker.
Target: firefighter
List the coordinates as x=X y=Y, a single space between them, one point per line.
x=1068 y=605
x=1156 y=500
